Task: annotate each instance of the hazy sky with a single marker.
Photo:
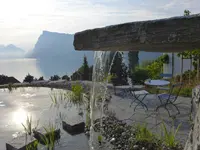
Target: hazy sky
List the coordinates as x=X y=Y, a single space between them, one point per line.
x=22 y=21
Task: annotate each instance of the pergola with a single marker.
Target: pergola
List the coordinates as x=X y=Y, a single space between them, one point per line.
x=164 y=35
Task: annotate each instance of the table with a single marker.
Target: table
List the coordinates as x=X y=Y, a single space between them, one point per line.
x=157 y=82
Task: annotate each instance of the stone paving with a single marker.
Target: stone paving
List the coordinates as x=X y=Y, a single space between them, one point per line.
x=121 y=106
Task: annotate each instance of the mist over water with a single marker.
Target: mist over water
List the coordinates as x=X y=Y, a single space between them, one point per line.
x=19 y=68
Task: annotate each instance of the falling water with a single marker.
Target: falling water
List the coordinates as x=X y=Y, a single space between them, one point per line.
x=103 y=64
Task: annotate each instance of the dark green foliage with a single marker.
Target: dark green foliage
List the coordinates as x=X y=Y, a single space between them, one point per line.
x=186 y=12
x=119 y=69
x=7 y=80
x=164 y=59
x=90 y=73
x=54 y=78
x=139 y=75
x=41 y=78
x=29 y=78
x=76 y=76
x=133 y=60
x=85 y=69
x=84 y=72
x=65 y=77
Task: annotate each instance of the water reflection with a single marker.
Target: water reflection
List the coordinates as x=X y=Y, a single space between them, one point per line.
x=27 y=95
x=2 y=104
x=20 y=116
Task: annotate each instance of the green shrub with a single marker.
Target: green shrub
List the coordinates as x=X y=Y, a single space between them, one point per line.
x=164 y=58
x=143 y=134
x=139 y=76
x=169 y=138
x=185 y=92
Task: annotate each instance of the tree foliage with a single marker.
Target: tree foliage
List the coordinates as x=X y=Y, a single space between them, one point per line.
x=41 y=78
x=119 y=70
x=84 y=72
x=133 y=60
x=65 y=77
x=54 y=78
x=29 y=78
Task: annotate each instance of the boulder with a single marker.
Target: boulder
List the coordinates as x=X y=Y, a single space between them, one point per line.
x=41 y=134
x=22 y=142
x=74 y=129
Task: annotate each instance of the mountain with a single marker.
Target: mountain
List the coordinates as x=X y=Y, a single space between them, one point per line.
x=56 y=55
x=11 y=51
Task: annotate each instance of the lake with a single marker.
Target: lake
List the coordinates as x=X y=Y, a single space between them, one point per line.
x=19 y=68
x=15 y=106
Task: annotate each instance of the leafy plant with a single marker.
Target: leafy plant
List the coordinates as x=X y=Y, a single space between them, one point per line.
x=32 y=146
x=169 y=137
x=28 y=126
x=76 y=96
x=143 y=134
x=100 y=138
x=139 y=75
x=49 y=139
x=10 y=87
x=165 y=59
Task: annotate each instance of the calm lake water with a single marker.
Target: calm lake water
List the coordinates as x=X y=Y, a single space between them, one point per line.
x=36 y=102
x=19 y=68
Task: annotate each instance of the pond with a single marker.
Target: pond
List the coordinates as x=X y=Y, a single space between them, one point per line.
x=15 y=106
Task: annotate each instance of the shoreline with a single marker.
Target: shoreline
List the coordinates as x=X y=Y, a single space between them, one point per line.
x=60 y=84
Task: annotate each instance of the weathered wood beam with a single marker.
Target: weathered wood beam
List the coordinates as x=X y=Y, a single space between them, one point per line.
x=164 y=35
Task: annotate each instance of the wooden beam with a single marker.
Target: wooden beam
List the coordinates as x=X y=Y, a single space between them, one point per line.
x=165 y=35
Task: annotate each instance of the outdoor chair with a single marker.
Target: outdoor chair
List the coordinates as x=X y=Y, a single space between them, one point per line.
x=168 y=98
x=164 y=76
x=138 y=94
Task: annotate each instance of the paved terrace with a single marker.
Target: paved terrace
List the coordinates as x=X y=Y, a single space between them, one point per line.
x=153 y=119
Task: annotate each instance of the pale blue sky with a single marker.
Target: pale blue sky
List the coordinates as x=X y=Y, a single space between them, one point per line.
x=22 y=21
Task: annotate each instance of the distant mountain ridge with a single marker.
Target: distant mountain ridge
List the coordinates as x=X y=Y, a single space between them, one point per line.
x=10 y=48
x=56 y=55
x=11 y=51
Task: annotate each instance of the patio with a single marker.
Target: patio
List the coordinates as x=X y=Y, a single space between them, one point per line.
x=153 y=119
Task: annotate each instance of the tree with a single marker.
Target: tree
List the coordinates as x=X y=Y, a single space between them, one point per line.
x=65 y=77
x=54 y=78
x=41 y=78
x=119 y=70
x=186 y=12
x=85 y=69
x=29 y=78
x=90 y=73
x=133 y=60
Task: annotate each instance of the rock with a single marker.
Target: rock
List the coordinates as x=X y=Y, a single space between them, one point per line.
x=41 y=134
x=135 y=147
x=22 y=142
x=112 y=140
x=74 y=129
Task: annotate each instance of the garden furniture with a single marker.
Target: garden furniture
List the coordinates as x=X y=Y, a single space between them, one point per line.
x=170 y=98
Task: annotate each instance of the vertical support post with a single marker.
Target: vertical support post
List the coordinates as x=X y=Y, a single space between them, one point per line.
x=181 y=76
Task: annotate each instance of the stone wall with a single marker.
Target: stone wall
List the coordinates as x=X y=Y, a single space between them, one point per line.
x=193 y=142
x=167 y=35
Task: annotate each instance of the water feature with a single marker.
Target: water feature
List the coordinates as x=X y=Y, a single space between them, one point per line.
x=15 y=106
x=101 y=72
